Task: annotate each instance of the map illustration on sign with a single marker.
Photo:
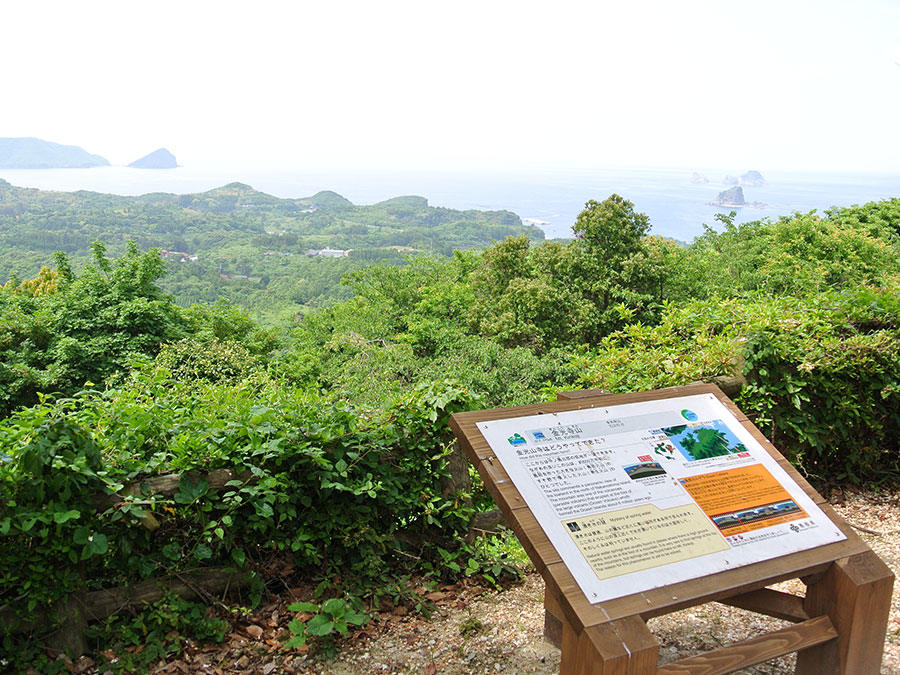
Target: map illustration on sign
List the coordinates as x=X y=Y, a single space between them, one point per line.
x=704 y=441
x=642 y=495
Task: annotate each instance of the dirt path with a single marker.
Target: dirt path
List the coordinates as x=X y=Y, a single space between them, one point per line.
x=511 y=638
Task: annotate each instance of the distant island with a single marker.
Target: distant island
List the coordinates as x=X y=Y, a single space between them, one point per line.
x=158 y=159
x=754 y=178
x=34 y=153
x=698 y=177
x=734 y=198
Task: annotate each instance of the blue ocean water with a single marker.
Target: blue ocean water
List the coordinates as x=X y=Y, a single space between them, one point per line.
x=677 y=207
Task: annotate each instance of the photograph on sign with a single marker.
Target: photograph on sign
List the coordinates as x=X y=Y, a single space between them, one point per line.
x=643 y=495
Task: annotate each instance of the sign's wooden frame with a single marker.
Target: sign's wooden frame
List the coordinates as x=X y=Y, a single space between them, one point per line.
x=839 y=625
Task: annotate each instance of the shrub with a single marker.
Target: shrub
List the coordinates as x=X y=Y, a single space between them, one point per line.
x=823 y=372
x=347 y=492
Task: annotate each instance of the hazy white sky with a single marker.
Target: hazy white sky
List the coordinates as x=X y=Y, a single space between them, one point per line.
x=790 y=84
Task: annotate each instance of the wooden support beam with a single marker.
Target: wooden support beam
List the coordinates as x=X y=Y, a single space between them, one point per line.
x=771 y=603
x=756 y=650
x=594 y=651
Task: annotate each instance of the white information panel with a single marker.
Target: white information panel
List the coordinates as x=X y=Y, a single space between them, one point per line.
x=643 y=495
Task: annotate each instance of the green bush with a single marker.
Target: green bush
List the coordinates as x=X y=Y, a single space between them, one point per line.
x=823 y=372
x=48 y=517
x=348 y=492
x=59 y=335
x=824 y=380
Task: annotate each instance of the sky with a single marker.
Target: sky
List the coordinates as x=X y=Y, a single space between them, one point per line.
x=446 y=85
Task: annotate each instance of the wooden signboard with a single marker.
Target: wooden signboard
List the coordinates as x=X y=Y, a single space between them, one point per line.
x=636 y=505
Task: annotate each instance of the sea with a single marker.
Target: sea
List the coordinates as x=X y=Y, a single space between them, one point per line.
x=677 y=207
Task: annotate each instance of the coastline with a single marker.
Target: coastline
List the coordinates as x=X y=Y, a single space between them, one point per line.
x=677 y=208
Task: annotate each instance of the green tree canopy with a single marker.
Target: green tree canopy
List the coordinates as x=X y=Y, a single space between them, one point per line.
x=83 y=329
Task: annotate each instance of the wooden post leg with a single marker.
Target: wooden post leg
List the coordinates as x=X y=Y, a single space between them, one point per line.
x=553 y=619
x=69 y=638
x=622 y=647
x=856 y=594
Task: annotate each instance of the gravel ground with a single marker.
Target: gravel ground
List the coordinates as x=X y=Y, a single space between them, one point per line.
x=478 y=632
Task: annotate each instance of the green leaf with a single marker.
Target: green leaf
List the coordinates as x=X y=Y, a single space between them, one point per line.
x=171 y=551
x=296 y=641
x=100 y=544
x=62 y=517
x=303 y=607
x=81 y=534
x=189 y=492
x=356 y=618
x=334 y=607
x=319 y=625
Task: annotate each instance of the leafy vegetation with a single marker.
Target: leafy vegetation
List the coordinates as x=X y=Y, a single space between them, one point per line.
x=333 y=617
x=137 y=642
x=59 y=331
x=342 y=490
x=239 y=244
x=331 y=433
x=803 y=309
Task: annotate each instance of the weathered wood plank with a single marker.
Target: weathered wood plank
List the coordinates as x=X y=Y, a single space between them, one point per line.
x=856 y=594
x=771 y=603
x=98 y=605
x=167 y=486
x=581 y=652
x=553 y=622
x=755 y=650
x=624 y=647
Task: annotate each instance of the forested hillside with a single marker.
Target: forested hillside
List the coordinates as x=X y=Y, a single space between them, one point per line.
x=235 y=243
x=142 y=439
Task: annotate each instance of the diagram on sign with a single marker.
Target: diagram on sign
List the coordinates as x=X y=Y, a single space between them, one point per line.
x=643 y=495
